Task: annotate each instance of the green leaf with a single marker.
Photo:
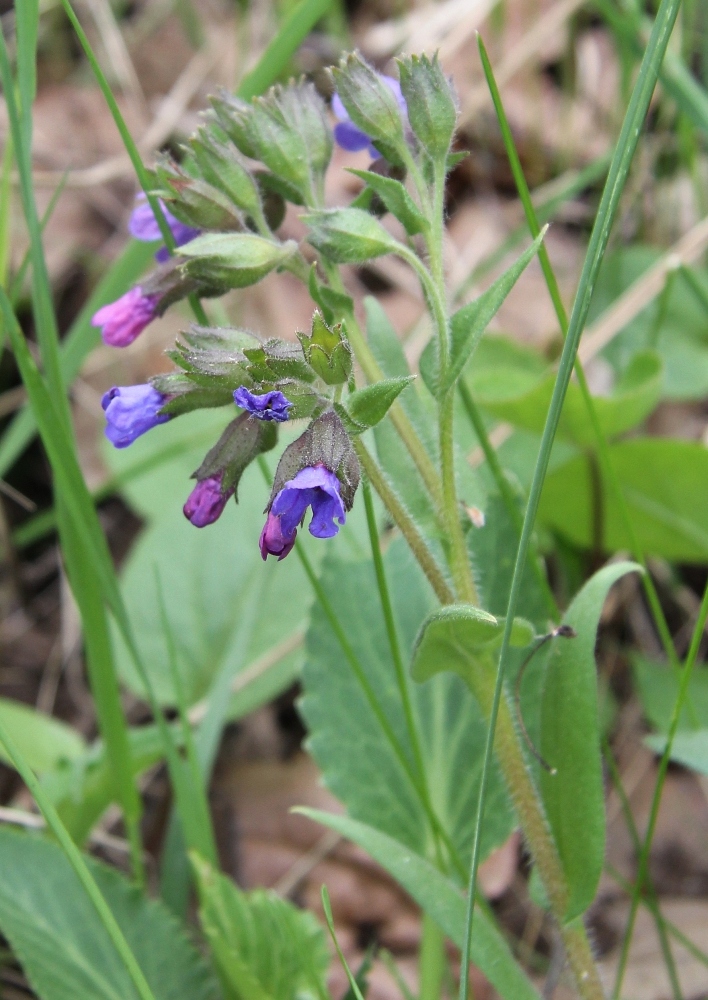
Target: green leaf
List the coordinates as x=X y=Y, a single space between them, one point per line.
x=634 y=397
x=460 y=638
x=665 y=483
x=349 y=235
x=44 y=742
x=207 y=575
x=441 y=900
x=345 y=738
x=570 y=742
x=368 y=406
x=396 y=199
x=469 y=323
x=689 y=749
x=673 y=324
x=265 y=948
x=65 y=951
x=658 y=686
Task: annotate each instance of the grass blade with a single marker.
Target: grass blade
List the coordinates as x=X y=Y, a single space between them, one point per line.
x=617 y=176
x=79 y=865
x=292 y=32
x=643 y=866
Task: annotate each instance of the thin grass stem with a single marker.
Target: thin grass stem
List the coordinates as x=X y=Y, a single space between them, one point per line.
x=577 y=947
x=79 y=865
x=557 y=300
x=651 y=899
x=643 y=866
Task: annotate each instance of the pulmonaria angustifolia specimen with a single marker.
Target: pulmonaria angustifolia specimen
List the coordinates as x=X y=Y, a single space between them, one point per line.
x=224 y=217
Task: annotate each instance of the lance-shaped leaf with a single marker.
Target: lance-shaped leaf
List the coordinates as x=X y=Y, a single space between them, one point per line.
x=349 y=235
x=469 y=323
x=441 y=899
x=570 y=742
x=327 y=352
x=241 y=442
x=368 y=406
x=396 y=199
x=459 y=637
x=265 y=948
x=234 y=259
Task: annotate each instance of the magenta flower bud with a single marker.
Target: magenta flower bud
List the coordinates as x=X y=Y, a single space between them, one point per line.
x=131 y=410
x=206 y=502
x=273 y=541
x=126 y=318
x=143 y=226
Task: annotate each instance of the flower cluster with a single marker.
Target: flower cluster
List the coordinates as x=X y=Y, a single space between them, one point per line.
x=224 y=216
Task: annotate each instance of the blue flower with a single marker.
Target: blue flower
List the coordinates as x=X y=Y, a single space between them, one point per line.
x=316 y=487
x=346 y=133
x=271 y=405
x=143 y=226
x=131 y=410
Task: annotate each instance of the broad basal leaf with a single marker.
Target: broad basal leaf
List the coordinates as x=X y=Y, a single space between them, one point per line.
x=441 y=899
x=346 y=738
x=570 y=742
x=674 y=324
x=45 y=742
x=657 y=685
x=265 y=948
x=66 y=953
x=514 y=384
x=665 y=483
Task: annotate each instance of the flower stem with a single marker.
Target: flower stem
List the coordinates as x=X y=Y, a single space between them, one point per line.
x=405 y=523
x=538 y=836
x=372 y=371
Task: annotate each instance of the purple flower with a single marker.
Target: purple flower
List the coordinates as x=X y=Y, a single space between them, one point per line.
x=130 y=411
x=316 y=487
x=205 y=504
x=271 y=405
x=143 y=226
x=273 y=542
x=346 y=133
x=126 y=318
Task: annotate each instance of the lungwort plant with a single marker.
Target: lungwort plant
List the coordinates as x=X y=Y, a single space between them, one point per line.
x=411 y=657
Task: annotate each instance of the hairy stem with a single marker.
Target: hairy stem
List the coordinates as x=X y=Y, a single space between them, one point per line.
x=405 y=523
x=537 y=833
